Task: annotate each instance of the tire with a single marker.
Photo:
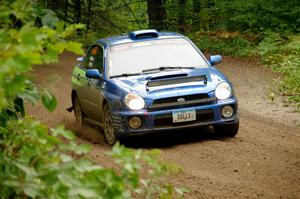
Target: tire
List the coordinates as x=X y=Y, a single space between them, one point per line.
x=109 y=132
x=227 y=130
x=79 y=115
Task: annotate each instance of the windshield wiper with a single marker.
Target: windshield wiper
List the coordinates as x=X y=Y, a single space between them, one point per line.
x=152 y=69
x=125 y=75
x=166 y=67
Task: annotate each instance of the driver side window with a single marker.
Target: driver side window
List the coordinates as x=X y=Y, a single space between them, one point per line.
x=94 y=59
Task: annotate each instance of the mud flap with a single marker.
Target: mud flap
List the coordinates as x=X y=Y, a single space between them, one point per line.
x=70 y=109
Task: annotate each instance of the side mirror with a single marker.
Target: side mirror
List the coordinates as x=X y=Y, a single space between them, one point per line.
x=93 y=74
x=215 y=59
x=79 y=59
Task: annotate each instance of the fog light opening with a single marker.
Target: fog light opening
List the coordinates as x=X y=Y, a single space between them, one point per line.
x=227 y=111
x=135 y=122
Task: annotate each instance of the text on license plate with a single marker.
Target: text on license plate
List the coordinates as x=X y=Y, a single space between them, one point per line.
x=184 y=115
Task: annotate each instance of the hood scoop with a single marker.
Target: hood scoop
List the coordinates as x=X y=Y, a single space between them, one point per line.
x=168 y=76
x=169 y=80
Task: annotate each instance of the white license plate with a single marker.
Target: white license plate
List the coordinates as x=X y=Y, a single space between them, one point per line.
x=184 y=115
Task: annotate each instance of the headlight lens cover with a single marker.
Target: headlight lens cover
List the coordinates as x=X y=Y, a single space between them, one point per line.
x=134 y=101
x=223 y=91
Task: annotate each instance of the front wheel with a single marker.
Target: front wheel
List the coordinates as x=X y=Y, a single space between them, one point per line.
x=109 y=132
x=227 y=130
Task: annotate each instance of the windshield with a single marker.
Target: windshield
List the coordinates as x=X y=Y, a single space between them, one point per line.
x=134 y=58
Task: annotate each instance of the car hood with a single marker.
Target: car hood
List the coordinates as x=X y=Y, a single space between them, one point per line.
x=143 y=86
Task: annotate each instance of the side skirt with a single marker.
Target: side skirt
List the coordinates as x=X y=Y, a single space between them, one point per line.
x=93 y=122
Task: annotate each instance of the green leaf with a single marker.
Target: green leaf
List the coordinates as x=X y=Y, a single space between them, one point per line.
x=82 y=149
x=28 y=170
x=49 y=100
x=49 y=19
x=16 y=85
x=3 y=100
x=60 y=131
x=60 y=26
x=182 y=190
x=31 y=189
x=75 y=47
x=80 y=26
x=84 y=192
x=12 y=183
x=85 y=166
x=31 y=93
x=68 y=180
x=51 y=55
x=65 y=158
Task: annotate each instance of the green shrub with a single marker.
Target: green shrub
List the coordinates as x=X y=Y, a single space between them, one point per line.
x=282 y=54
x=224 y=43
x=36 y=162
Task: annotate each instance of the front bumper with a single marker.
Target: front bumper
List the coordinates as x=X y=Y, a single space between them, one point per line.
x=156 y=121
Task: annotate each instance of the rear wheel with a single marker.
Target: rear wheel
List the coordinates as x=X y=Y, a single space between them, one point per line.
x=78 y=112
x=109 y=132
x=227 y=130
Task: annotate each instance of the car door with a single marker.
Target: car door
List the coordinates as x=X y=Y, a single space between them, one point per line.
x=80 y=82
x=93 y=92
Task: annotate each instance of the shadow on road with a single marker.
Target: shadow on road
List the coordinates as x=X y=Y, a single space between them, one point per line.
x=152 y=140
x=170 y=139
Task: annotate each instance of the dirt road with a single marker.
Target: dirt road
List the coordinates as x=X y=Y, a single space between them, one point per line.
x=263 y=161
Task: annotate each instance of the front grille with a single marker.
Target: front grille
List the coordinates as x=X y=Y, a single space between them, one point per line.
x=166 y=120
x=181 y=101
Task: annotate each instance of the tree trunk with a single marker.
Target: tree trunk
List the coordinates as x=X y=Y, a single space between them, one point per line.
x=211 y=7
x=90 y=2
x=66 y=10
x=52 y=4
x=181 y=17
x=196 y=15
x=156 y=14
x=77 y=8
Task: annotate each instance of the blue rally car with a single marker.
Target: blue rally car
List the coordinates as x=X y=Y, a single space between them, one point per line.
x=149 y=81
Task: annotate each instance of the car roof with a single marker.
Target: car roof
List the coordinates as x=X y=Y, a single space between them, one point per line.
x=116 y=40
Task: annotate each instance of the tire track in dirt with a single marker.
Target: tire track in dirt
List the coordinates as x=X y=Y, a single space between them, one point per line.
x=263 y=161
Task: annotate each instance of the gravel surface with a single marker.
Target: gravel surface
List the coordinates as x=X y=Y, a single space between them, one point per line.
x=262 y=161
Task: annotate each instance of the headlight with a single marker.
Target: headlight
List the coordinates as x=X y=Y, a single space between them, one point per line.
x=223 y=91
x=134 y=101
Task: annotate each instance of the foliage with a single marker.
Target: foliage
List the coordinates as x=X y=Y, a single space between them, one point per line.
x=106 y=17
x=259 y=15
x=282 y=54
x=102 y=17
x=38 y=162
x=226 y=43
x=23 y=46
x=88 y=39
